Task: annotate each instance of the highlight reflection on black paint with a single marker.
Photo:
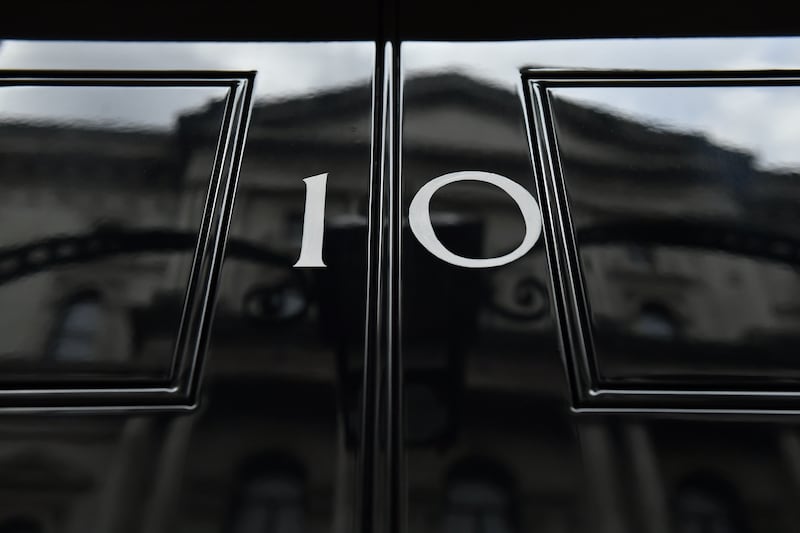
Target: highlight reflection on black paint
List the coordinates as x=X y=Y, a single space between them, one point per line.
x=689 y=246
x=85 y=201
x=267 y=448
x=492 y=445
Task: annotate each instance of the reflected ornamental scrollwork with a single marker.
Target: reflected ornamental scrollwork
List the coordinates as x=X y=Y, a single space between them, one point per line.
x=530 y=301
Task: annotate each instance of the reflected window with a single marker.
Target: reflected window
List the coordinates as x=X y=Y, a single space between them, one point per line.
x=77 y=332
x=641 y=255
x=479 y=500
x=271 y=497
x=20 y=524
x=655 y=321
x=707 y=505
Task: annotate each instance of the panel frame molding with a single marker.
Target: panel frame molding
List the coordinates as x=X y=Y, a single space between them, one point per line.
x=588 y=392
x=180 y=390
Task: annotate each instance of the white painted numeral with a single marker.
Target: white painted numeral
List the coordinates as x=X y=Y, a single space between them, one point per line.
x=313 y=222
x=419 y=218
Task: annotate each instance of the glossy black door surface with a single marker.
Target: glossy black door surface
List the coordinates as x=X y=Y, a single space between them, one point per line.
x=125 y=176
x=534 y=286
x=114 y=231
x=656 y=189
x=678 y=193
x=486 y=410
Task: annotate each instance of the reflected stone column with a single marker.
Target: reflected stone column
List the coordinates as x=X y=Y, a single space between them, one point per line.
x=790 y=450
x=117 y=503
x=342 y=496
x=648 y=482
x=168 y=476
x=605 y=512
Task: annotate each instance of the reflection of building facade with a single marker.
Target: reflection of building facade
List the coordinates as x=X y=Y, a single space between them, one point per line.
x=621 y=170
x=85 y=164
x=272 y=448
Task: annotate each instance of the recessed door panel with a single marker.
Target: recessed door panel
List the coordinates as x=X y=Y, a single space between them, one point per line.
x=111 y=183
x=686 y=249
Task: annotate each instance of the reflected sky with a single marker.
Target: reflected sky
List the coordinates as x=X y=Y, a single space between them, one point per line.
x=764 y=121
x=726 y=117
x=284 y=70
x=118 y=108
x=500 y=62
x=291 y=69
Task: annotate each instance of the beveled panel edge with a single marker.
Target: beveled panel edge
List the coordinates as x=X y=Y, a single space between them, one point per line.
x=571 y=307
x=180 y=392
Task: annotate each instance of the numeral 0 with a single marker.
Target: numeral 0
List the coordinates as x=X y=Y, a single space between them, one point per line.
x=419 y=219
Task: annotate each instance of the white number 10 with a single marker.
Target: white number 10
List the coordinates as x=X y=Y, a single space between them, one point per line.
x=419 y=219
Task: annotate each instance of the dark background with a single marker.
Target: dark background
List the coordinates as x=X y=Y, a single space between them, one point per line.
x=242 y=20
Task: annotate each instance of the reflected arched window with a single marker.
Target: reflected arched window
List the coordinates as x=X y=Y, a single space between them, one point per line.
x=707 y=505
x=20 y=524
x=479 y=499
x=78 y=329
x=270 y=497
x=655 y=321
